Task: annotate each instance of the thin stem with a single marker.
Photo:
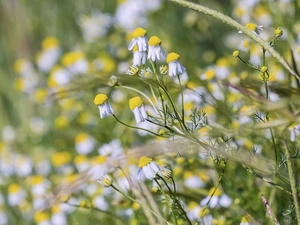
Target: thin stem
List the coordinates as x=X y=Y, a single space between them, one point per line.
x=133 y=89
x=292 y=176
x=182 y=99
x=139 y=128
x=167 y=201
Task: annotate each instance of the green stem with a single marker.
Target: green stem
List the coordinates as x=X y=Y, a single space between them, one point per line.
x=167 y=201
x=139 y=128
x=292 y=176
x=133 y=89
x=182 y=99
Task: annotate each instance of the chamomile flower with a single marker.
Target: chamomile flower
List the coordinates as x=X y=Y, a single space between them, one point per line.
x=58 y=216
x=218 y=199
x=139 y=57
x=49 y=55
x=15 y=194
x=254 y=28
x=175 y=67
x=39 y=185
x=42 y=218
x=156 y=52
x=81 y=162
x=105 y=180
x=246 y=220
x=147 y=168
x=139 y=39
x=103 y=105
x=84 y=144
x=133 y=70
x=294 y=132
x=136 y=105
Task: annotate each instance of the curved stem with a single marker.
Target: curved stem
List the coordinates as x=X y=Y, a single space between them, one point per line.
x=133 y=89
x=238 y=26
x=138 y=128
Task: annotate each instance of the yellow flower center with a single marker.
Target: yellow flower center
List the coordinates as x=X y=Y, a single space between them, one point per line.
x=139 y=32
x=55 y=209
x=14 y=188
x=251 y=26
x=40 y=217
x=80 y=159
x=218 y=192
x=107 y=181
x=71 y=57
x=100 y=159
x=37 y=180
x=18 y=65
x=210 y=74
x=172 y=57
x=61 y=122
x=19 y=84
x=135 y=102
x=81 y=137
x=40 y=95
x=100 y=99
x=144 y=161
x=61 y=158
x=154 y=40
x=50 y=42
x=298 y=50
x=203 y=212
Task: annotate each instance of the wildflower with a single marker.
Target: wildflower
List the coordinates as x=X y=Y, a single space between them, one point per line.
x=263 y=69
x=175 y=68
x=165 y=173
x=133 y=70
x=75 y=62
x=146 y=73
x=147 y=168
x=104 y=107
x=246 y=220
x=58 y=216
x=253 y=27
x=84 y=144
x=60 y=159
x=206 y=217
x=49 y=55
x=39 y=185
x=294 y=132
x=113 y=81
x=15 y=195
x=236 y=54
x=58 y=77
x=218 y=199
x=156 y=52
x=139 y=39
x=278 y=32
x=163 y=70
x=139 y=57
x=136 y=105
x=105 y=180
x=81 y=163
x=41 y=218
x=192 y=180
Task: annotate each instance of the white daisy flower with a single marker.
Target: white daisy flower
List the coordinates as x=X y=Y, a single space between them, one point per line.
x=175 y=67
x=147 y=168
x=253 y=27
x=246 y=220
x=217 y=200
x=156 y=52
x=136 y=105
x=139 y=39
x=103 y=105
x=105 y=180
x=84 y=144
x=15 y=195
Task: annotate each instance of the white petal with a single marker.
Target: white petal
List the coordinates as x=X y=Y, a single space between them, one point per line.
x=225 y=201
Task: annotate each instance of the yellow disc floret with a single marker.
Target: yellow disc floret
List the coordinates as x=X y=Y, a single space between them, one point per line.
x=61 y=158
x=135 y=102
x=144 y=161
x=214 y=192
x=100 y=159
x=139 y=32
x=100 y=99
x=40 y=217
x=203 y=212
x=13 y=188
x=37 y=179
x=81 y=137
x=251 y=26
x=172 y=57
x=154 y=40
x=50 y=42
